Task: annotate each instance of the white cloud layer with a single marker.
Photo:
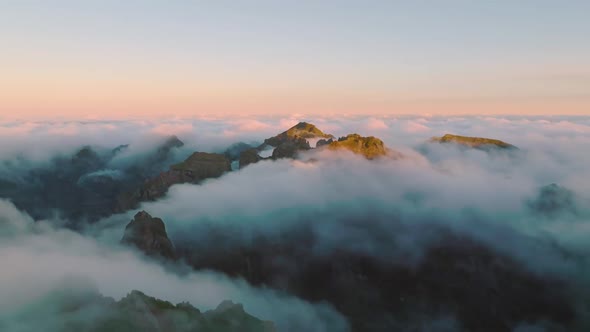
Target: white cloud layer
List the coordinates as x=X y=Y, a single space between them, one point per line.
x=484 y=195
x=41 y=258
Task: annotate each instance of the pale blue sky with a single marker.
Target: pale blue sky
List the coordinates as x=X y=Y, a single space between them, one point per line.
x=291 y=56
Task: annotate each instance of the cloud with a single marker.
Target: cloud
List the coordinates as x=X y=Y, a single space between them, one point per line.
x=325 y=204
x=41 y=258
x=168 y=129
x=390 y=210
x=376 y=124
x=415 y=127
x=289 y=122
x=250 y=125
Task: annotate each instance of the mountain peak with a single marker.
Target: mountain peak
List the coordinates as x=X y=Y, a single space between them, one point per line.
x=149 y=235
x=473 y=142
x=172 y=142
x=306 y=130
x=302 y=130
x=370 y=147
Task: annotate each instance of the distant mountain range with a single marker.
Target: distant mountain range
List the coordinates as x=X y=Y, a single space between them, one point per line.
x=75 y=311
x=473 y=142
x=87 y=186
x=456 y=271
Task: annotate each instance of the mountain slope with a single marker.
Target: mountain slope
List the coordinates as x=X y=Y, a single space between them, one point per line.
x=302 y=130
x=370 y=147
x=149 y=235
x=473 y=142
x=199 y=166
x=75 y=311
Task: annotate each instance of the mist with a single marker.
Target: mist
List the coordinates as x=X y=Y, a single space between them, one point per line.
x=321 y=206
x=43 y=259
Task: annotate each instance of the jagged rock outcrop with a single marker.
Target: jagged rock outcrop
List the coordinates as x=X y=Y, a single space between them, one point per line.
x=86 y=184
x=473 y=142
x=199 y=166
x=235 y=150
x=149 y=235
x=248 y=157
x=230 y=313
x=85 y=160
x=323 y=142
x=154 y=163
x=88 y=310
x=170 y=143
x=302 y=136
x=289 y=149
x=286 y=144
x=56 y=186
x=370 y=147
x=144 y=313
x=202 y=165
x=297 y=138
x=302 y=130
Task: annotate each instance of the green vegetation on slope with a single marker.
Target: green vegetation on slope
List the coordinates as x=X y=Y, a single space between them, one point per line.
x=474 y=142
x=75 y=311
x=370 y=147
x=199 y=160
x=301 y=130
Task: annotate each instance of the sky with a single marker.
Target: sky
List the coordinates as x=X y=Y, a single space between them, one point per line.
x=122 y=59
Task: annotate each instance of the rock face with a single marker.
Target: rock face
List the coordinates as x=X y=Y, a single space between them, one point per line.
x=233 y=315
x=153 y=164
x=146 y=313
x=248 y=157
x=302 y=130
x=86 y=184
x=199 y=166
x=286 y=144
x=296 y=139
x=149 y=235
x=57 y=186
x=370 y=147
x=170 y=143
x=289 y=149
x=202 y=165
x=323 y=142
x=85 y=160
x=473 y=142
x=90 y=311
x=235 y=150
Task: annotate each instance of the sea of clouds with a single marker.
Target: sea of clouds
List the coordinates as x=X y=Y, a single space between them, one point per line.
x=484 y=195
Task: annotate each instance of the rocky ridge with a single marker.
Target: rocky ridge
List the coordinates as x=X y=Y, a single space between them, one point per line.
x=302 y=130
x=473 y=142
x=304 y=137
x=453 y=274
x=370 y=147
x=74 y=311
x=149 y=235
x=199 y=166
